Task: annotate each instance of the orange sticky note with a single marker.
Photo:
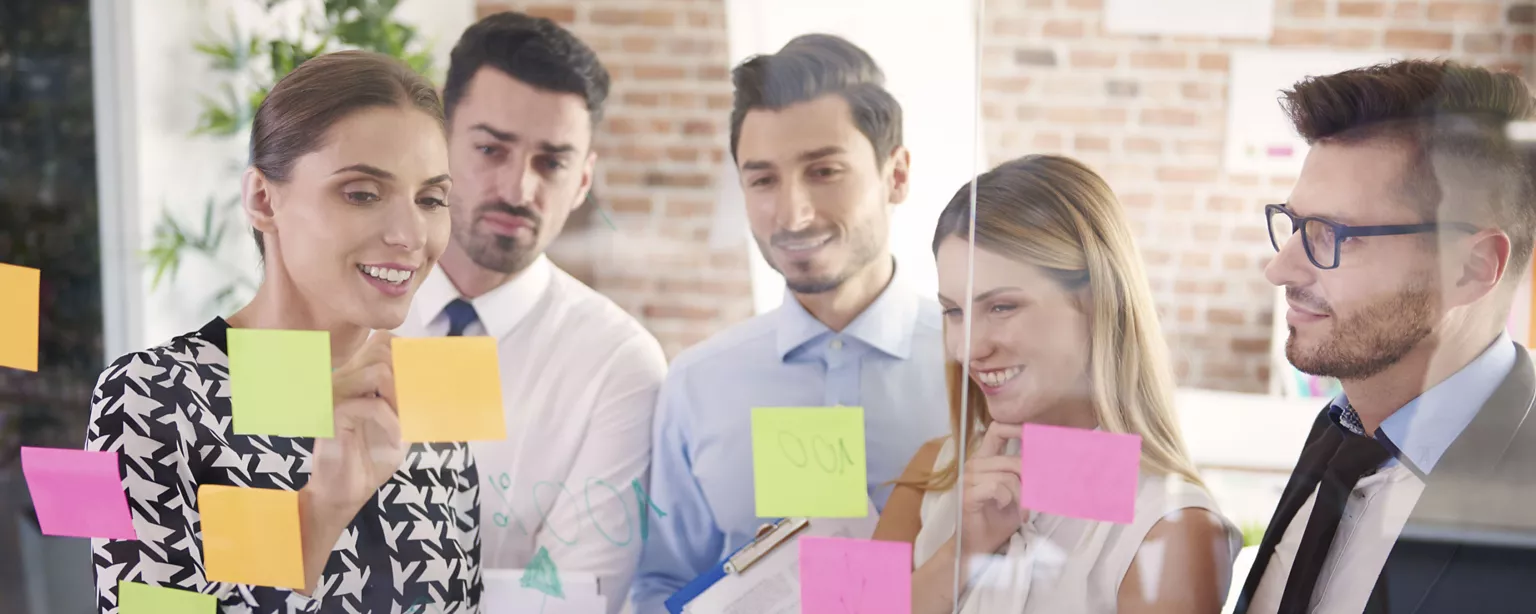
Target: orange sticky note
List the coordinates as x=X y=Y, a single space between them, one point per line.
x=251 y=536
x=448 y=389
x=19 y=291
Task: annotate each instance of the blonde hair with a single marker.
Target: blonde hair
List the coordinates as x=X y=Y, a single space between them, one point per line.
x=1056 y=213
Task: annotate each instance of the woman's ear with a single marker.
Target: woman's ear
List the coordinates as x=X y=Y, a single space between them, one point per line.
x=256 y=195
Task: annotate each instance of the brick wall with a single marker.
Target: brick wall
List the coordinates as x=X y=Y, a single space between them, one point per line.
x=660 y=149
x=1149 y=112
x=1146 y=111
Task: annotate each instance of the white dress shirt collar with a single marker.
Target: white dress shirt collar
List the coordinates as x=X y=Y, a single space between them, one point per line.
x=499 y=310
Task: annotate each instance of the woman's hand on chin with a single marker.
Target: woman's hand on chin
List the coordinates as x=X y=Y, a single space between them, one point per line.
x=991 y=503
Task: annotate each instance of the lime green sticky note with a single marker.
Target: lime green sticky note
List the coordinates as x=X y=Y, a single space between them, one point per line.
x=135 y=598
x=809 y=461
x=280 y=382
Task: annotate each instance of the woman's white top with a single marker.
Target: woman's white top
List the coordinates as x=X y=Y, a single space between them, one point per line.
x=1060 y=565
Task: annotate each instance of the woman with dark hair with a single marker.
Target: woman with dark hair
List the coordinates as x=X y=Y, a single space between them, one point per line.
x=347 y=194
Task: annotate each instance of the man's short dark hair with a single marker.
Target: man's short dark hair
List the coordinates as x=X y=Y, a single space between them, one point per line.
x=812 y=66
x=533 y=50
x=1443 y=110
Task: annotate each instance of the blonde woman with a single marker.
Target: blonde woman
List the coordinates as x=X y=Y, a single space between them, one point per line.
x=1063 y=332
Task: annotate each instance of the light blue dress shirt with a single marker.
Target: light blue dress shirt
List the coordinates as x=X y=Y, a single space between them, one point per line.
x=1421 y=431
x=890 y=361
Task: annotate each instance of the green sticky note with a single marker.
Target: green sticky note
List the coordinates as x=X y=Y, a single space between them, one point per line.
x=280 y=382
x=135 y=598
x=809 y=461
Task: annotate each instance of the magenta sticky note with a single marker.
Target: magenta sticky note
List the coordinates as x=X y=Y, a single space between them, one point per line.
x=855 y=576
x=77 y=493
x=1079 y=473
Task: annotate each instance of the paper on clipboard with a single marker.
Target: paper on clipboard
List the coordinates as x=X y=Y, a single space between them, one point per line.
x=772 y=584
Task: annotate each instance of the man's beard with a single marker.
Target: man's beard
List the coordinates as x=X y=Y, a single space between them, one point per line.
x=863 y=249
x=496 y=252
x=1370 y=340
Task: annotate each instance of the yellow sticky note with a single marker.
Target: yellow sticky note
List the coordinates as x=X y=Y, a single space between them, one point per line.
x=809 y=461
x=19 y=295
x=448 y=389
x=251 y=536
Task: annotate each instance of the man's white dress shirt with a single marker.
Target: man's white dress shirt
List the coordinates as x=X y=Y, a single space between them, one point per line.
x=579 y=378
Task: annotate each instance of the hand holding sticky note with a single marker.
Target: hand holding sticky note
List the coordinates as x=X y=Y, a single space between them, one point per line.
x=809 y=461
x=448 y=389
x=251 y=536
x=77 y=493
x=1079 y=473
x=838 y=576
x=280 y=382
x=135 y=598
x=20 y=292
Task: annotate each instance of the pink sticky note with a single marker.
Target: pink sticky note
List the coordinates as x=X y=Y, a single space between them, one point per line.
x=77 y=493
x=1079 y=473
x=855 y=576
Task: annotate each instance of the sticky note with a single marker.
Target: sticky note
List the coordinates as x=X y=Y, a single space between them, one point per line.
x=77 y=493
x=251 y=536
x=280 y=382
x=20 y=288
x=135 y=598
x=838 y=576
x=448 y=389
x=1079 y=473
x=809 y=461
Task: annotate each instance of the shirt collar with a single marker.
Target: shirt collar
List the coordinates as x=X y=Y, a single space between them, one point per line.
x=886 y=325
x=1424 y=429
x=499 y=310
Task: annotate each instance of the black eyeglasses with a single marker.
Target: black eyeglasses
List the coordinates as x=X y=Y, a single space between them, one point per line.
x=1322 y=238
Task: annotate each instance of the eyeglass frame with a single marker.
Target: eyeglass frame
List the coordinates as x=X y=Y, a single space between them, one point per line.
x=1345 y=231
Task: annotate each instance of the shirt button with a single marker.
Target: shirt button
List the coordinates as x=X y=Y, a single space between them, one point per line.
x=837 y=344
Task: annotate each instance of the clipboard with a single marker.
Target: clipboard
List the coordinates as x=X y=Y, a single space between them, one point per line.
x=763 y=575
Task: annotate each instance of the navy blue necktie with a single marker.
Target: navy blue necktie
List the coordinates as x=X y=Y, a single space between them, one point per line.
x=460 y=315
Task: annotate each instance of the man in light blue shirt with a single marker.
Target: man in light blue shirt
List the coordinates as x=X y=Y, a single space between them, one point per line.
x=817 y=141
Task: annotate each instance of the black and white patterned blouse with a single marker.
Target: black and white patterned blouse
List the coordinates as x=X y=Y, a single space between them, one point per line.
x=413 y=549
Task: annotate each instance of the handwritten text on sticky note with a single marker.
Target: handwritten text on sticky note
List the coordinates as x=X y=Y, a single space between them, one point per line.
x=842 y=576
x=251 y=536
x=280 y=382
x=809 y=461
x=20 y=289
x=1079 y=473
x=77 y=493
x=135 y=598
x=449 y=389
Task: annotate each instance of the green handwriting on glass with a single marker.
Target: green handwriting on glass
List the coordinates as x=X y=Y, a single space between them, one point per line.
x=593 y=486
x=832 y=458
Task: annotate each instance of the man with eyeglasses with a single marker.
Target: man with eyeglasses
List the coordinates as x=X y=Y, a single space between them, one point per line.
x=1400 y=252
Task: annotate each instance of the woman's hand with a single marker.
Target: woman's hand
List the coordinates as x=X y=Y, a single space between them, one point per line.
x=991 y=512
x=367 y=448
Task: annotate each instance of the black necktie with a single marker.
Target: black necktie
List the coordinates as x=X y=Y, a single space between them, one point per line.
x=1355 y=457
x=460 y=315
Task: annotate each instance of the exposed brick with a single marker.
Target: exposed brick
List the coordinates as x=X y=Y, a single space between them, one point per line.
x=641 y=99
x=1169 y=117
x=1310 y=9
x=1199 y=147
x=1085 y=142
x=1012 y=84
x=1466 y=12
x=1293 y=37
x=719 y=101
x=1356 y=9
x=680 y=312
x=1205 y=231
x=1427 y=40
x=1225 y=204
x=1200 y=91
x=1524 y=43
x=1354 y=39
x=683 y=154
x=684 y=180
x=1086 y=115
x=1034 y=57
x=1187 y=174
x=637 y=44
x=713 y=73
x=658 y=72
x=1143 y=145
x=1160 y=60
x=629 y=204
x=1409 y=11
x=1047 y=141
x=1214 y=61
x=1235 y=262
x=685 y=208
x=1523 y=13
x=1010 y=26
x=699 y=126
x=558 y=14
x=1482 y=42
x=1064 y=28
x=1195 y=260
x=1086 y=58
x=1085 y=5
x=616 y=17
x=1121 y=88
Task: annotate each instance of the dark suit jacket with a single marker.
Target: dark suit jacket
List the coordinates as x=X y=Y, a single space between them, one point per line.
x=1470 y=543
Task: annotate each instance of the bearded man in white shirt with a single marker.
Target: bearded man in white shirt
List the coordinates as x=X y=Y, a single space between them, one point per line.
x=579 y=376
